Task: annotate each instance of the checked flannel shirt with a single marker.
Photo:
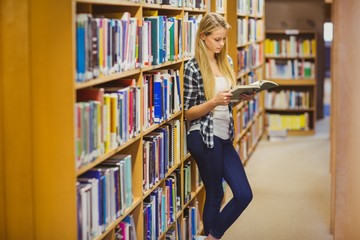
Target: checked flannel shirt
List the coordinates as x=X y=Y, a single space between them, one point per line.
x=194 y=94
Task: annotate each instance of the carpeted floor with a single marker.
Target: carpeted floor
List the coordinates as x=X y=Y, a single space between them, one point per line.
x=291 y=185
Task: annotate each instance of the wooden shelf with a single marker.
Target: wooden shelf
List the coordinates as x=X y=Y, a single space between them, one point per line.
x=110 y=228
x=290 y=57
x=105 y=156
x=160 y=181
x=195 y=10
x=301 y=132
x=294 y=82
x=290 y=110
x=251 y=72
x=110 y=2
x=52 y=93
x=289 y=32
x=105 y=79
x=160 y=6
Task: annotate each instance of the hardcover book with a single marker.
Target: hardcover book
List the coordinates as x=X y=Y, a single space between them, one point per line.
x=255 y=87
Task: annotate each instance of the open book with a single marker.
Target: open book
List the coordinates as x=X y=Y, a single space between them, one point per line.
x=257 y=86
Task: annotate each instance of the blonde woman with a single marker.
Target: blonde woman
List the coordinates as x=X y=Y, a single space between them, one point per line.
x=208 y=78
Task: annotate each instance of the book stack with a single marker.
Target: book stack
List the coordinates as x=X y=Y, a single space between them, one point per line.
x=105 y=118
x=162 y=97
x=104 y=193
x=161 y=151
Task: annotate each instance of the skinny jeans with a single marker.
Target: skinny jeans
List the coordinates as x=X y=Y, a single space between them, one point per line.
x=215 y=164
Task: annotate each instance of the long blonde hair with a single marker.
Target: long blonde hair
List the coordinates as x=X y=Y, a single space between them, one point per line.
x=211 y=22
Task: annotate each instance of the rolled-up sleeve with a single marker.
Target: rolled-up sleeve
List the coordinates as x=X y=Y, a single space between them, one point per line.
x=191 y=87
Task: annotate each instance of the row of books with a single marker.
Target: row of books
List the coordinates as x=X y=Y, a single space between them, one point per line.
x=114 y=43
x=287 y=99
x=185 y=128
x=197 y=179
x=105 y=45
x=105 y=118
x=191 y=24
x=165 y=37
x=161 y=96
x=159 y=210
x=243 y=148
x=250 y=57
x=292 y=47
x=200 y=4
x=220 y=6
x=250 y=76
x=191 y=221
x=186 y=227
x=103 y=195
x=249 y=30
x=289 y=69
x=171 y=233
x=255 y=75
x=248 y=141
x=246 y=114
x=252 y=7
x=257 y=129
x=288 y=122
x=187 y=181
x=126 y=229
x=108 y=117
x=161 y=151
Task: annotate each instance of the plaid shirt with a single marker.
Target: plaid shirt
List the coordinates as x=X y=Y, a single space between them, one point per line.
x=194 y=94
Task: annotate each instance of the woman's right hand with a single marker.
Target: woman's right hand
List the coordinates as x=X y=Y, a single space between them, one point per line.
x=222 y=98
x=198 y=111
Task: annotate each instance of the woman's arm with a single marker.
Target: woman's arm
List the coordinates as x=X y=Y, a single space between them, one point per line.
x=198 y=111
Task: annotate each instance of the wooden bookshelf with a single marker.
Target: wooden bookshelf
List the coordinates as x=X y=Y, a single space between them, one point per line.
x=290 y=57
x=219 y=6
x=248 y=117
x=39 y=142
x=134 y=146
x=16 y=203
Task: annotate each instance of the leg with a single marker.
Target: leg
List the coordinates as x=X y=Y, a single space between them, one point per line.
x=209 y=162
x=235 y=176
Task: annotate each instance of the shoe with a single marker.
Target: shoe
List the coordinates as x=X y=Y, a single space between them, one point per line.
x=200 y=237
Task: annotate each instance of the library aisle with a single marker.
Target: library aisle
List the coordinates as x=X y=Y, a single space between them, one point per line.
x=292 y=185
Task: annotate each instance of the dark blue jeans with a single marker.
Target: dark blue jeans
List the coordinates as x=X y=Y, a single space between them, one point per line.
x=214 y=164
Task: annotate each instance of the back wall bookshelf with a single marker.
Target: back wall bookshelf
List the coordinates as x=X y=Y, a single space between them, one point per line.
x=291 y=62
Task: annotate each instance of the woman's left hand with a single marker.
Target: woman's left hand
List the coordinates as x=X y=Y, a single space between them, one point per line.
x=247 y=97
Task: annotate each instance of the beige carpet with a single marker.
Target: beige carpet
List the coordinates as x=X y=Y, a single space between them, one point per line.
x=291 y=185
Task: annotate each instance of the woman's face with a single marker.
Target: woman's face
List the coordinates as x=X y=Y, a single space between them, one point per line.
x=216 y=40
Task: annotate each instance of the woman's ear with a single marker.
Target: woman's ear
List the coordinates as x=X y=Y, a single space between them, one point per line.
x=202 y=36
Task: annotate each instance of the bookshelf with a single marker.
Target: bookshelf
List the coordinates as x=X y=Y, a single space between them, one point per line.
x=45 y=155
x=247 y=34
x=153 y=130
x=219 y=6
x=291 y=62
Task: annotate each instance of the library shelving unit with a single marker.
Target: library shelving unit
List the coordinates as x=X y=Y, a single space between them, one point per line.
x=70 y=144
x=245 y=46
x=219 y=6
x=290 y=57
x=42 y=168
x=156 y=208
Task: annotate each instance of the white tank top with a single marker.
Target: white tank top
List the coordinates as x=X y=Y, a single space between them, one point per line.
x=221 y=117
